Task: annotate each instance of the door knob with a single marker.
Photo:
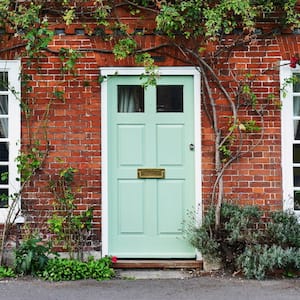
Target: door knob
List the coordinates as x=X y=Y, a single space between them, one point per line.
x=192 y=147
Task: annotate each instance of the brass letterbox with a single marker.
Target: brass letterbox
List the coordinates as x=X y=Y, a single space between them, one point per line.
x=151 y=173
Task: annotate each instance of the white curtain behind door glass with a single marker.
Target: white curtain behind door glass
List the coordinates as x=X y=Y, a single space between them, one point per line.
x=3 y=120
x=126 y=99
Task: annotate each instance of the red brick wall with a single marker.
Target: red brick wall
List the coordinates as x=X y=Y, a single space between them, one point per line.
x=255 y=178
x=74 y=125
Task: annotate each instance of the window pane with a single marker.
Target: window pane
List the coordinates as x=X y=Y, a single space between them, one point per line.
x=3 y=198
x=296 y=176
x=296 y=85
x=296 y=106
x=3 y=127
x=3 y=105
x=4 y=151
x=296 y=153
x=297 y=200
x=297 y=129
x=130 y=98
x=3 y=81
x=169 y=98
x=3 y=170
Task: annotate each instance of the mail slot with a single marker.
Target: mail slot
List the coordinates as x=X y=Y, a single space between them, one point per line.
x=153 y=173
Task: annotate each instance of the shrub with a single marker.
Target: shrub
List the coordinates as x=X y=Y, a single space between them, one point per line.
x=101 y=269
x=238 y=228
x=62 y=269
x=258 y=260
x=32 y=256
x=284 y=229
x=241 y=243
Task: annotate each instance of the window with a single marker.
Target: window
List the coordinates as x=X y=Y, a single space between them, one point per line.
x=9 y=132
x=169 y=98
x=130 y=98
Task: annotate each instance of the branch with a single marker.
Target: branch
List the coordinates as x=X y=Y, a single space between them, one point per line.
x=240 y=154
x=13 y=47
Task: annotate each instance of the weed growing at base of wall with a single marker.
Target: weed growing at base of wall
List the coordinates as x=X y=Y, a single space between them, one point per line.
x=62 y=269
x=32 y=256
x=6 y=272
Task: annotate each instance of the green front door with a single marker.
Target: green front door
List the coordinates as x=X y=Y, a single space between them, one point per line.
x=150 y=166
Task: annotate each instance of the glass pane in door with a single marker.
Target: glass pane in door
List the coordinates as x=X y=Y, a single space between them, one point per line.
x=130 y=99
x=169 y=98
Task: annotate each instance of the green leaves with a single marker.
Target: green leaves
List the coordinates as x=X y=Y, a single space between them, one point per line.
x=30 y=161
x=32 y=256
x=70 y=227
x=69 y=57
x=124 y=48
x=242 y=243
x=6 y=272
x=211 y=19
x=61 y=269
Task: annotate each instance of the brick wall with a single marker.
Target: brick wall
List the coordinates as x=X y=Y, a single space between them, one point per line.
x=74 y=124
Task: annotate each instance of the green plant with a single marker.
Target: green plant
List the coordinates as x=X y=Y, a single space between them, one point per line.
x=258 y=260
x=32 y=256
x=240 y=244
x=69 y=227
x=61 y=269
x=101 y=269
x=6 y=272
x=238 y=228
x=279 y=248
x=284 y=229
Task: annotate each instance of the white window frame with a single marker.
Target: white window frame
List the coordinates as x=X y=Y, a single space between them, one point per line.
x=287 y=136
x=14 y=129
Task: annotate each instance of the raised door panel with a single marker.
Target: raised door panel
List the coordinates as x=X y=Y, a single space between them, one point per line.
x=131 y=144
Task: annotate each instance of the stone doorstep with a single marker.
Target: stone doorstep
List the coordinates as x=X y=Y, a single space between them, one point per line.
x=133 y=274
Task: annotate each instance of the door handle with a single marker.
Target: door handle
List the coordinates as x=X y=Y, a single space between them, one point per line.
x=192 y=147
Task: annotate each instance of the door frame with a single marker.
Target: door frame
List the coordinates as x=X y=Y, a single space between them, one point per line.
x=119 y=71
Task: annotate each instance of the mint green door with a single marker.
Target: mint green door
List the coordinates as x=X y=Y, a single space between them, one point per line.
x=150 y=129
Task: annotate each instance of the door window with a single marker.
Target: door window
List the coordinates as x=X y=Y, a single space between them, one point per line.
x=169 y=98
x=130 y=99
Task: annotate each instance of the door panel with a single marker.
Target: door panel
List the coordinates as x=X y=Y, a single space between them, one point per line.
x=170 y=198
x=170 y=141
x=131 y=144
x=131 y=194
x=150 y=128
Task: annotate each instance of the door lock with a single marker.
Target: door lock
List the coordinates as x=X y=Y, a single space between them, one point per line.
x=192 y=147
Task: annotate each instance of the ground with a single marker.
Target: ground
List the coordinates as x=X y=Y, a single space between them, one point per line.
x=201 y=287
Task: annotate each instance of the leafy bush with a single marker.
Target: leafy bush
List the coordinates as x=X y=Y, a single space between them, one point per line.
x=6 y=272
x=101 y=269
x=32 y=256
x=59 y=269
x=238 y=228
x=62 y=269
x=258 y=260
x=240 y=242
x=279 y=248
x=284 y=229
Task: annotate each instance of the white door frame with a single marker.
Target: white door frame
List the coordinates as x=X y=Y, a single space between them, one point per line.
x=109 y=71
